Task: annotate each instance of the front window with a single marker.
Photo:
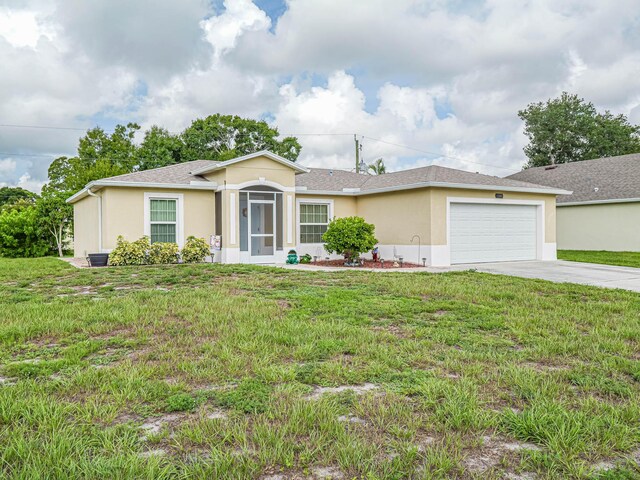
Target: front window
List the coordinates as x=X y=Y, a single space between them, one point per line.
x=314 y=218
x=163 y=220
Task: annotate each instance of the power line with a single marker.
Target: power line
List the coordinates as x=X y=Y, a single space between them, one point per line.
x=438 y=154
x=50 y=127
x=27 y=154
x=43 y=127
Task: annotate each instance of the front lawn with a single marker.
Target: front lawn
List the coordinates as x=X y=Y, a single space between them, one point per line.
x=625 y=259
x=209 y=371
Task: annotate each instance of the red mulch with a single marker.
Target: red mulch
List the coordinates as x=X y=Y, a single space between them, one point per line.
x=367 y=264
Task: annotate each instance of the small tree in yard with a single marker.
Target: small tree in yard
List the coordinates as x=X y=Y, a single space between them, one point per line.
x=349 y=236
x=55 y=216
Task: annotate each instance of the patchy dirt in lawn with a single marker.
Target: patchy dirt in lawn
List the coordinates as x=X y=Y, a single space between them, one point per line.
x=155 y=425
x=357 y=389
x=326 y=473
x=7 y=381
x=283 y=304
x=492 y=452
x=216 y=415
x=352 y=419
x=126 y=332
x=316 y=473
x=394 y=330
x=158 y=452
x=606 y=465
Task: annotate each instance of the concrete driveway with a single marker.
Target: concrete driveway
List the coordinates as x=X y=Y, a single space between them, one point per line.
x=561 y=271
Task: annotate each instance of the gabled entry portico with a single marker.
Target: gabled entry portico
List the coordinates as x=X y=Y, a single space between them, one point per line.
x=254 y=207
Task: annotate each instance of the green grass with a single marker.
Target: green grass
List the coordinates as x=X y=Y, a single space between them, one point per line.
x=219 y=367
x=625 y=259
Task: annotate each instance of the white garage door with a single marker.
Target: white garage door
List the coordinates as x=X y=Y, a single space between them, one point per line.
x=492 y=233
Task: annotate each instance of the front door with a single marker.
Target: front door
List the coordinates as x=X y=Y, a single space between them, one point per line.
x=262 y=227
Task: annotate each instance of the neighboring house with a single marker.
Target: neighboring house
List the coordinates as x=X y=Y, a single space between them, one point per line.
x=263 y=205
x=603 y=212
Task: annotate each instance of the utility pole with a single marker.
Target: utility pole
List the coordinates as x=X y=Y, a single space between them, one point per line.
x=355 y=139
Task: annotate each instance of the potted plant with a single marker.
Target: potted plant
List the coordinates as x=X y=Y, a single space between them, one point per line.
x=292 y=257
x=98 y=259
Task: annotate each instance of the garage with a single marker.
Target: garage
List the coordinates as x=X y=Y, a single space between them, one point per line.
x=481 y=232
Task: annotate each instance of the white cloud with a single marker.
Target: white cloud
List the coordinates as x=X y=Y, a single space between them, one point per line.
x=443 y=76
x=223 y=30
x=29 y=183
x=7 y=166
x=22 y=28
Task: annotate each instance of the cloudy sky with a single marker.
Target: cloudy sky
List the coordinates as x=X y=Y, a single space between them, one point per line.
x=422 y=81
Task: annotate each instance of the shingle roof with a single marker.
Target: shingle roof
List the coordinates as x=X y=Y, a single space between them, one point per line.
x=176 y=174
x=336 y=180
x=610 y=178
x=322 y=179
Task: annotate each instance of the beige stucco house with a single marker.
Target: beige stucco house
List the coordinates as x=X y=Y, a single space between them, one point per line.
x=603 y=212
x=261 y=205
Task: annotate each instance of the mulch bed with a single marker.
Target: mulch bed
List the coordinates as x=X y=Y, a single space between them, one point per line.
x=388 y=264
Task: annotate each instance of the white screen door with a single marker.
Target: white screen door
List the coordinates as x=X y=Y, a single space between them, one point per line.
x=262 y=222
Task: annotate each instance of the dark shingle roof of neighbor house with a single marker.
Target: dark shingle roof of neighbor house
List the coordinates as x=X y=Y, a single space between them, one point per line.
x=333 y=180
x=322 y=179
x=610 y=178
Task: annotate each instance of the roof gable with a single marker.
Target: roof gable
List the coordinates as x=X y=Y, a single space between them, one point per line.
x=263 y=153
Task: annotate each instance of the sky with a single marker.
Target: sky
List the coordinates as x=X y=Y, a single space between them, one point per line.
x=420 y=82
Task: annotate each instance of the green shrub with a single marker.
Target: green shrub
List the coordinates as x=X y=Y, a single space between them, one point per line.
x=181 y=402
x=306 y=258
x=130 y=253
x=349 y=236
x=195 y=250
x=251 y=396
x=20 y=232
x=160 y=252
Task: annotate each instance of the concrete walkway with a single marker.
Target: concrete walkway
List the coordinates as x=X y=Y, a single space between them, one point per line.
x=560 y=271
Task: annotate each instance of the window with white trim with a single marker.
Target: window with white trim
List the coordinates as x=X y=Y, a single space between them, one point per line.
x=163 y=220
x=314 y=218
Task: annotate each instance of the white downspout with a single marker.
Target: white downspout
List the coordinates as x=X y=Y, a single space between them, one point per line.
x=99 y=197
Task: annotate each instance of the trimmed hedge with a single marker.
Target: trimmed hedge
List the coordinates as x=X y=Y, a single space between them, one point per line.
x=143 y=252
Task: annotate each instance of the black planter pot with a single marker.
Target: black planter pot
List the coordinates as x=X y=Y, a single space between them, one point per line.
x=98 y=259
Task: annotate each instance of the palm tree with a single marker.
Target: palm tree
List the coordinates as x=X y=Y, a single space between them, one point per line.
x=377 y=167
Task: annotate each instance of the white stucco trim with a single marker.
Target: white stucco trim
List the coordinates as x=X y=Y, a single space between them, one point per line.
x=540 y=221
x=323 y=201
x=598 y=202
x=255 y=183
x=439 y=255
x=232 y=218
x=110 y=183
x=464 y=186
x=261 y=153
x=230 y=255
x=289 y=219
x=549 y=252
x=179 y=197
